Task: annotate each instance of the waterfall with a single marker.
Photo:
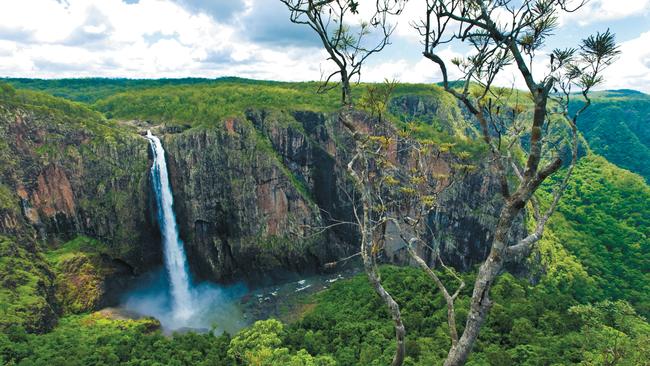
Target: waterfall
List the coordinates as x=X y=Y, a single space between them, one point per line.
x=174 y=253
x=170 y=295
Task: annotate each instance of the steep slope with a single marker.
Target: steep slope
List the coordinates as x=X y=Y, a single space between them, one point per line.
x=603 y=222
x=617 y=126
x=227 y=125
x=257 y=171
x=71 y=172
x=65 y=172
x=589 y=305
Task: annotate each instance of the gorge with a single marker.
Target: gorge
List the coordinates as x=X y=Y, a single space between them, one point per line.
x=88 y=221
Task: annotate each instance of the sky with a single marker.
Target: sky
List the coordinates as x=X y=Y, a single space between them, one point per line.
x=254 y=39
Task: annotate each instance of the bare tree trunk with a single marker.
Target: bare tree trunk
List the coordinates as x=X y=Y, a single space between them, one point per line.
x=370 y=266
x=369 y=246
x=480 y=303
x=346 y=90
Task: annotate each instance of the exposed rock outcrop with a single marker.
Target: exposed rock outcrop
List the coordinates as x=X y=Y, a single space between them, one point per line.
x=242 y=211
x=64 y=172
x=250 y=190
x=71 y=180
x=252 y=194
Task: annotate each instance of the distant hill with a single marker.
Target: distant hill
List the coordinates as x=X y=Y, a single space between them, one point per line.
x=89 y=90
x=617 y=126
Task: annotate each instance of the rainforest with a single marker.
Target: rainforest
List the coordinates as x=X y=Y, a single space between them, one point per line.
x=240 y=221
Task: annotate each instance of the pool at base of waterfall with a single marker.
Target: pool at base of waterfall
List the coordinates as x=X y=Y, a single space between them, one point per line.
x=213 y=307
x=225 y=308
x=171 y=296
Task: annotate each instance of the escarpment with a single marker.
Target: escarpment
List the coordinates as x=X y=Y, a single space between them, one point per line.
x=241 y=211
x=71 y=180
x=65 y=173
x=255 y=195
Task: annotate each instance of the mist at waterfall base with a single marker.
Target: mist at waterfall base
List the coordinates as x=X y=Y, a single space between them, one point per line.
x=214 y=307
x=170 y=294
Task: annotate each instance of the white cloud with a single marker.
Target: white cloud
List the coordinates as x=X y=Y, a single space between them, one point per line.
x=605 y=10
x=632 y=69
x=170 y=38
x=148 y=38
x=404 y=70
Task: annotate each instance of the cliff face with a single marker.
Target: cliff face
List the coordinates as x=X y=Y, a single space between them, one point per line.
x=253 y=195
x=248 y=195
x=249 y=192
x=69 y=180
x=65 y=172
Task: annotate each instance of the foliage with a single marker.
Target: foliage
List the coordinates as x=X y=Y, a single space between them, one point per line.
x=80 y=273
x=206 y=102
x=583 y=309
x=79 y=244
x=209 y=105
x=529 y=325
x=376 y=97
x=98 y=340
x=25 y=285
x=617 y=126
x=591 y=256
x=261 y=345
x=89 y=90
x=603 y=220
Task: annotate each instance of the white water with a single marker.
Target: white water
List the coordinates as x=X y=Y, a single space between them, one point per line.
x=170 y=295
x=175 y=258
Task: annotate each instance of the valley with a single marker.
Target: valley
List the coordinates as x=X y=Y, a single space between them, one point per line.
x=246 y=217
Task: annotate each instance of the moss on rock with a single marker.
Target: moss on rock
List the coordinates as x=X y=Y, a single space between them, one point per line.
x=26 y=288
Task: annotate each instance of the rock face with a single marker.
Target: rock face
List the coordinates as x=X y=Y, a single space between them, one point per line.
x=252 y=195
x=248 y=197
x=249 y=191
x=69 y=180
x=65 y=172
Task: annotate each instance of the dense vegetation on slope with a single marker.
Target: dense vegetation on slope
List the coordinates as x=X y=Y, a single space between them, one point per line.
x=89 y=90
x=530 y=325
x=617 y=126
x=97 y=340
x=596 y=263
x=578 y=312
x=58 y=178
x=206 y=101
x=591 y=289
x=26 y=283
x=603 y=220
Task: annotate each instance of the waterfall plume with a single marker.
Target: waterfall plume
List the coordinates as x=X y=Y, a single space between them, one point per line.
x=174 y=252
x=170 y=295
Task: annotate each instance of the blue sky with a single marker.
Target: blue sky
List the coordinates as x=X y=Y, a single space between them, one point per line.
x=253 y=38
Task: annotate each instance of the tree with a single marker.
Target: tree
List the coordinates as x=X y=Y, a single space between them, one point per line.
x=503 y=33
x=348 y=46
x=348 y=49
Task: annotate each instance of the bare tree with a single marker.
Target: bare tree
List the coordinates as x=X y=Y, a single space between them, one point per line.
x=393 y=175
x=348 y=46
x=504 y=33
